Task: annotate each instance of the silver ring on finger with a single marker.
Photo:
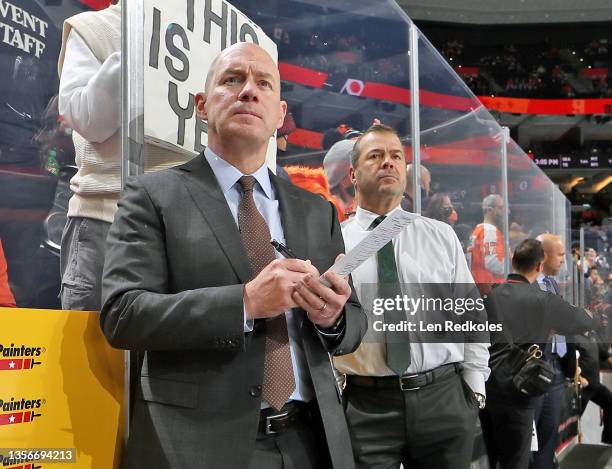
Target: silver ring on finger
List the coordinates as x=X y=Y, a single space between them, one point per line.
x=322 y=308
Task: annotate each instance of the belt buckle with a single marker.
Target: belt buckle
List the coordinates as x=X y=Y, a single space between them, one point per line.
x=401 y=383
x=270 y=419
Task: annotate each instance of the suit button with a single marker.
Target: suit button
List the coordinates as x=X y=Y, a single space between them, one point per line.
x=255 y=391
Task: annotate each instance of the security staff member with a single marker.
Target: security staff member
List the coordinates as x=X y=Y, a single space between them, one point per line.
x=528 y=316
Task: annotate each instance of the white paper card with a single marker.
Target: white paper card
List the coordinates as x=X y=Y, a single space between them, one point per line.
x=368 y=246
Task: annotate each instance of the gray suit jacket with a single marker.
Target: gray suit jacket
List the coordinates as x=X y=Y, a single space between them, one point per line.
x=173 y=286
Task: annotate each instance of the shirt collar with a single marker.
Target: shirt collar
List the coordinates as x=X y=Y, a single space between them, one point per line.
x=365 y=218
x=517 y=278
x=540 y=278
x=228 y=175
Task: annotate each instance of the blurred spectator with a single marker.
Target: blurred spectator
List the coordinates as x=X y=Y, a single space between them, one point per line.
x=89 y=65
x=282 y=135
x=336 y=164
x=487 y=247
x=282 y=141
x=342 y=132
x=590 y=259
x=27 y=73
x=314 y=180
x=28 y=55
x=576 y=255
x=594 y=350
x=425 y=181
x=441 y=208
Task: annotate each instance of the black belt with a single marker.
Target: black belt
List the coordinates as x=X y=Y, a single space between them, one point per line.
x=405 y=382
x=272 y=421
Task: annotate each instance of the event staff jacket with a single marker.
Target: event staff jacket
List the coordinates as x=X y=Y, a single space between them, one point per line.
x=528 y=316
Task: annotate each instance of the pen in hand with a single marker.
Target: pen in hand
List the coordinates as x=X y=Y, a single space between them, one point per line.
x=289 y=254
x=284 y=250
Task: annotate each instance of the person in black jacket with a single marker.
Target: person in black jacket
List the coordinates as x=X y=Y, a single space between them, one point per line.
x=592 y=349
x=528 y=315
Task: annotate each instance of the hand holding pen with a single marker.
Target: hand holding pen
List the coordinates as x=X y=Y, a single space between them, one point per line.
x=323 y=304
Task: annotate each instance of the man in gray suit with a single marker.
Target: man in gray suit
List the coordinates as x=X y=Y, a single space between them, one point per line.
x=236 y=371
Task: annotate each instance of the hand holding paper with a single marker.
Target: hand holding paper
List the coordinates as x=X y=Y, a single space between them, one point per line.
x=368 y=246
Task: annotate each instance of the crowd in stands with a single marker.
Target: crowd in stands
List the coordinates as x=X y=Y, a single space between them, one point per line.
x=539 y=71
x=546 y=70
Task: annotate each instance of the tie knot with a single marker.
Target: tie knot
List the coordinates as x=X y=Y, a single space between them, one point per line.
x=377 y=222
x=550 y=286
x=247 y=183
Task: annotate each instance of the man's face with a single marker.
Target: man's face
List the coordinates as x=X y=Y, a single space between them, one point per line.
x=554 y=259
x=590 y=255
x=380 y=170
x=345 y=190
x=243 y=96
x=498 y=212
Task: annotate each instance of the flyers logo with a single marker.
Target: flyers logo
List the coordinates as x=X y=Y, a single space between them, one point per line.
x=353 y=86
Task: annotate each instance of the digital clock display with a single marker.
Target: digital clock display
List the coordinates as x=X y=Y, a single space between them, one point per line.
x=574 y=162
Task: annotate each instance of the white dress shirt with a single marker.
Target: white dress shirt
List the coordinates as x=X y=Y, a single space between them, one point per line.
x=266 y=201
x=426 y=251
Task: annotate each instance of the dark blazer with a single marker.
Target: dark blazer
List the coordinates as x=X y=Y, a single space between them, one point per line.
x=529 y=315
x=173 y=288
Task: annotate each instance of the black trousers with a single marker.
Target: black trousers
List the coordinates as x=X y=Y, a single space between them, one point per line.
x=600 y=395
x=432 y=427
x=547 y=418
x=507 y=430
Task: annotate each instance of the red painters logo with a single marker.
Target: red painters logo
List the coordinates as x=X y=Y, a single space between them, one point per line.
x=24 y=466
x=13 y=358
x=15 y=411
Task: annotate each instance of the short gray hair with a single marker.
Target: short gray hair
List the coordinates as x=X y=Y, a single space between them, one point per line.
x=337 y=162
x=490 y=201
x=376 y=128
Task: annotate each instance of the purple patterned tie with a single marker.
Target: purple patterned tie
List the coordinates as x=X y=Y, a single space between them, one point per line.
x=279 y=382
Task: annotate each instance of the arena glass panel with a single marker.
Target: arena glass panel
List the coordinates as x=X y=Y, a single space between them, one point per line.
x=532 y=203
x=37 y=155
x=343 y=66
x=562 y=226
x=462 y=154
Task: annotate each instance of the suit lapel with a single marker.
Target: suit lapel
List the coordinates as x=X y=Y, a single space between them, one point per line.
x=292 y=217
x=204 y=189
